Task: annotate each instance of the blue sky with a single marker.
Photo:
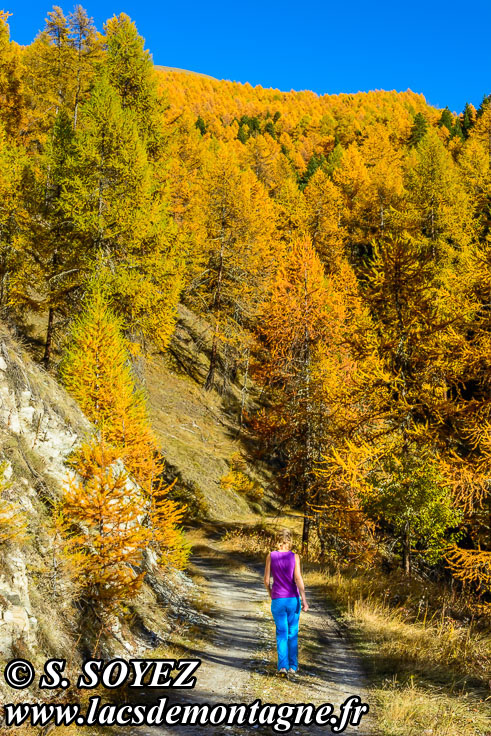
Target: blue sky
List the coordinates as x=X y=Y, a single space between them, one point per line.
x=438 y=48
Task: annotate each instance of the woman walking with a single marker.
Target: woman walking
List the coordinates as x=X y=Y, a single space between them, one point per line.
x=287 y=590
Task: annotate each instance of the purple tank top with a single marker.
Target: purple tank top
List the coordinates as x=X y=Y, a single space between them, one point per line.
x=282 y=567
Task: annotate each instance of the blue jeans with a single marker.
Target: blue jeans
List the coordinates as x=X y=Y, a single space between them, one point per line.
x=286 y=614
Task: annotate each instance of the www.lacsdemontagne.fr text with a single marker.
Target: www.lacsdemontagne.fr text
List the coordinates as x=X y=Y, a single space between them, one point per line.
x=280 y=717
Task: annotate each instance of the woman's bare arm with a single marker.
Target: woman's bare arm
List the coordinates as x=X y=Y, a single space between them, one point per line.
x=267 y=574
x=297 y=576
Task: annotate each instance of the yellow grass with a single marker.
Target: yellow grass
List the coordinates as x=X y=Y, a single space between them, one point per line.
x=414 y=642
x=430 y=671
x=417 y=711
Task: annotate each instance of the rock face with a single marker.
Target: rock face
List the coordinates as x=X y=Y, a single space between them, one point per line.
x=35 y=407
x=39 y=427
x=17 y=624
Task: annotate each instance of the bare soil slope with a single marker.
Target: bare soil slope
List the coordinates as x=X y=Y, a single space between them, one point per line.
x=198 y=429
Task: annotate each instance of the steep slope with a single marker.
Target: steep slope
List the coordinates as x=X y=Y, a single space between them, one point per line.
x=39 y=426
x=198 y=429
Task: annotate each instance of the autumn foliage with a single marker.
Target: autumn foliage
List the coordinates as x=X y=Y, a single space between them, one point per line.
x=336 y=248
x=107 y=514
x=116 y=501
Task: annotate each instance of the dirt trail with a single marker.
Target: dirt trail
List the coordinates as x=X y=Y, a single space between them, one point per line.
x=238 y=663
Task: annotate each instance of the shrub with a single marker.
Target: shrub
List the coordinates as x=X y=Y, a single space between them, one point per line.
x=238 y=481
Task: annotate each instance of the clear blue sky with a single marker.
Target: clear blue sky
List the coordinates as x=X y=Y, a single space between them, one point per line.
x=438 y=48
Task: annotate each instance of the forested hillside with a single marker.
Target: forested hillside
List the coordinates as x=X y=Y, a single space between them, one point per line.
x=338 y=248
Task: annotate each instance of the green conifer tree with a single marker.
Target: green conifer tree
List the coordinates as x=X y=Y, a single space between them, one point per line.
x=118 y=209
x=457 y=131
x=52 y=261
x=418 y=130
x=446 y=120
x=131 y=72
x=201 y=125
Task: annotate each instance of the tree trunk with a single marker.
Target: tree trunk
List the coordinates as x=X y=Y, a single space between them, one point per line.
x=305 y=531
x=79 y=86
x=322 y=541
x=308 y=419
x=217 y=297
x=213 y=360
x=49 y=338
x=406 y=552
x=244 y=389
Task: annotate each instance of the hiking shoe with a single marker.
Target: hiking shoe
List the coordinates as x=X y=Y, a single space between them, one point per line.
x=282 y=672
x=292 y=672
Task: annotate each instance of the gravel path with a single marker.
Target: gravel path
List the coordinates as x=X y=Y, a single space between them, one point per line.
x=238 y=664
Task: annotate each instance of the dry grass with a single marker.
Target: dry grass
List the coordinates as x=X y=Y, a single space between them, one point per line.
x=199 y=429
x=257 y=538
x=430 y=671
x=253 y=541
x=197 y=438
x=412 y=710
x=414 y=641
x=443 y=647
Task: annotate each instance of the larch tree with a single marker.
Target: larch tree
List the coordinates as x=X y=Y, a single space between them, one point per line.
x=324 y=211
x=405 y=394
x=352 y=179
x=50 y=260
x=384 y=162
x=59 y=69
x=12 y=215
x=475 y=167
x=469 y=416
x=102 y=514
x=235 y=257
x=438 y=206
x=119 y=215
x=302 y=314
x=267 y=161
x=131 y=73
x=97 y=372
x=290 y=212
x=49 y=78
x=87 y=49
x=12 y=107
x=468 y=118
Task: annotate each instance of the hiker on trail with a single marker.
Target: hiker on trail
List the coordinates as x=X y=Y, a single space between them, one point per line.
x=285 y=593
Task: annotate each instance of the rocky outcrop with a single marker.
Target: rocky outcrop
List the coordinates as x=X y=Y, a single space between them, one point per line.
x=17 y=623
x=39 y=427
